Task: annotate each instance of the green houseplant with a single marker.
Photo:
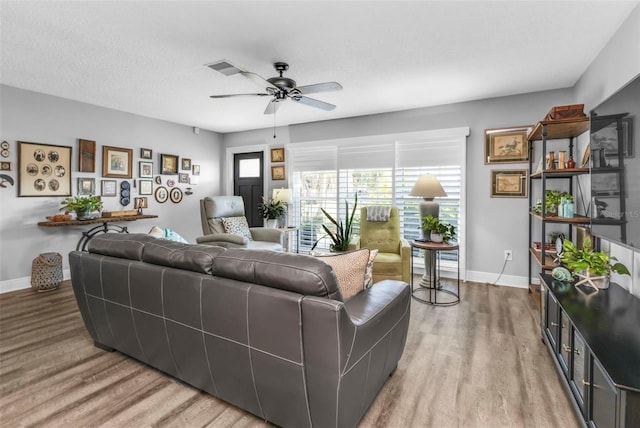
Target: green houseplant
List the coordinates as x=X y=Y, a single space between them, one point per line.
x=271 y=209
x=439 y=231
x=552 y=201
x=343 y=233
x=593 y=267
x=85 y=207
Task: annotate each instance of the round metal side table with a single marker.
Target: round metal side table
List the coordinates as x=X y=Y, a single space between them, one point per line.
x=432 y=287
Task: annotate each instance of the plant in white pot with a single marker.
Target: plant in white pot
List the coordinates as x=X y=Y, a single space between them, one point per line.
x=85 y=207
x=592 y=267
x=271 y=210
x=439 y=231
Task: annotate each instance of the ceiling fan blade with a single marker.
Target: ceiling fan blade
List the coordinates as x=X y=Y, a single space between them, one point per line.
x=313 y=102
x=239 y=95
x=259 y=80
x=320 y=87
x=272 y=107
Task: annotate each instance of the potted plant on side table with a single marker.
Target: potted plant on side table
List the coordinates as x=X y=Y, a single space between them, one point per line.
x=592 y=267
x=271 y=210
x=85 y=207
x=439 y=231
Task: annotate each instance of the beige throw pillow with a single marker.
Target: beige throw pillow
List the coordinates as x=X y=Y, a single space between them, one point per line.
x=350 y=269
x=237 y=226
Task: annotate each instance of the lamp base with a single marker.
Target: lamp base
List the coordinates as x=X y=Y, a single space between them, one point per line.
x=428 y=207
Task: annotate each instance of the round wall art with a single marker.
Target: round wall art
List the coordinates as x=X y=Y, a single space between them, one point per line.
x=175 y=195
x=161 y=194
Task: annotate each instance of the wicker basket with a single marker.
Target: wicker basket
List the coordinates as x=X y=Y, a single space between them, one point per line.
x=46 y=271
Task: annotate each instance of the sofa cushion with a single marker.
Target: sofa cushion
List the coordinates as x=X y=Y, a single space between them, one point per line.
x=196 y=258
x=237 y=226
x=122 y=245
x=350 y=269
x=368 y=276
x=292 y=272
x=166 y=233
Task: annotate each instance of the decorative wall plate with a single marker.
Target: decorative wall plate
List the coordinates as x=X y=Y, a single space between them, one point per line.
x=175 y=195
x=171 y=183
x=158 y=180
x=4 y=145
x=161 y=194
x=5 y=153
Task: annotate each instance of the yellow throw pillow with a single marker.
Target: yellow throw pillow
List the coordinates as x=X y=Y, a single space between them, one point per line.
x=350 y=269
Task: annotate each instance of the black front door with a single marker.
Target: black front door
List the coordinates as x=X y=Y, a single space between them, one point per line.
x=248 y=183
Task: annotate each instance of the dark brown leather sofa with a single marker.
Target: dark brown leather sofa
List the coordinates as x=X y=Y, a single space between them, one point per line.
x=266 y=331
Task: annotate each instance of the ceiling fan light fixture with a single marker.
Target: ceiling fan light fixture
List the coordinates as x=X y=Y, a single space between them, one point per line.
x=224 y=67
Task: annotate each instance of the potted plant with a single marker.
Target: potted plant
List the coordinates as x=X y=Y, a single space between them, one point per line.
x=85 y=207
x=552 y=200
x=343 y=233
x=439 y=231
x=271 y=210
x=592 y=267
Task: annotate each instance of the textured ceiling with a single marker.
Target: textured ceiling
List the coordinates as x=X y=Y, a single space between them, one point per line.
x=147 y=57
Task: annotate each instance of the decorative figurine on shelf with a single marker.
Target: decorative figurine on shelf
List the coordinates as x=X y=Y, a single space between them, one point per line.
x=551 y=163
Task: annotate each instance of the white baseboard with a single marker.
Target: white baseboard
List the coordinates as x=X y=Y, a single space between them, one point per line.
x=505 y=280
x=24 y=282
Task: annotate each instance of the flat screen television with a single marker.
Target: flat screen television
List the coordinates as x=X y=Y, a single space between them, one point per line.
x=615 y=167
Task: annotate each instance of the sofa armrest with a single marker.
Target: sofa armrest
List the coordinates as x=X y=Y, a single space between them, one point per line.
x=222 y=237
x=405 y=258
x=268 y=234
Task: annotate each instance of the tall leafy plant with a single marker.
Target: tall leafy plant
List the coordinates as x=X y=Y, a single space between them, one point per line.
x=343 y=231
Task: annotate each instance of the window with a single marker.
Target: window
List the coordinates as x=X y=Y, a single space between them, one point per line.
x=379 y=172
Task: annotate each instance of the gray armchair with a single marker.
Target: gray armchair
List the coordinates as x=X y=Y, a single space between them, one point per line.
x=213 y=209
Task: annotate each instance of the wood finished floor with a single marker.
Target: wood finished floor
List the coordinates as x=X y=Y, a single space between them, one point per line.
x=478 y=364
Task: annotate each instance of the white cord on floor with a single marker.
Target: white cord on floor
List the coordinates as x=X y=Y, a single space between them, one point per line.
x=494 y=283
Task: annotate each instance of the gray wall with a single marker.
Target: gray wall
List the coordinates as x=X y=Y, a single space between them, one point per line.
x=35 y=117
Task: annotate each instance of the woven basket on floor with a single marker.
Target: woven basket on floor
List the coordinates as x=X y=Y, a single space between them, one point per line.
x=46 y=271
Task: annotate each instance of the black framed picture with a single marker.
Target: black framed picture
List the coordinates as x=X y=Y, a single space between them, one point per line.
x=168 y=164
x=146 y=154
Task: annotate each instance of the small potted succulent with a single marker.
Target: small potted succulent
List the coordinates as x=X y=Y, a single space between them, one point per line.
x=85 y=207
x=592 y=267
x=271 y=210
x=439 y=231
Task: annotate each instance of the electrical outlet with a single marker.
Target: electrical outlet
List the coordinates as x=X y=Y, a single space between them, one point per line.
x=508 y=255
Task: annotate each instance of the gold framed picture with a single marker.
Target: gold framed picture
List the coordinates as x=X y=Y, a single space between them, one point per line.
x=278 y=173
x=506 y=145
x=168 y=164
x=509 y=183
x=117 y=162
x=277 y=155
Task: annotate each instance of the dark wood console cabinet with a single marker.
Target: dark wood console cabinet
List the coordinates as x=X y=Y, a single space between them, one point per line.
x=595 y=343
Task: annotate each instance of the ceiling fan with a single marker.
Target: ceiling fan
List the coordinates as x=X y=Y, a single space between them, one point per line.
x=279 y=88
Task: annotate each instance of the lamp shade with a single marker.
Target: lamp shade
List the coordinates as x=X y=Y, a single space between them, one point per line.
x=427 y=187
x=282 y=195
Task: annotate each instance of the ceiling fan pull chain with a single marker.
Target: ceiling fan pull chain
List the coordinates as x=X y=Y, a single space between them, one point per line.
x=274 y=121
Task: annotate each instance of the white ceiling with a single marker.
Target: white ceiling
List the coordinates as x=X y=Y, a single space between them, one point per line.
x=147 y=57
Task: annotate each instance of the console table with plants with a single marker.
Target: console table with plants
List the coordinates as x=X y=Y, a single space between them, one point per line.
x=104 y=225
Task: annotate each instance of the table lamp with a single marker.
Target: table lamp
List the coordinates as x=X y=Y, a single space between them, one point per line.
x=428 y=187
x=283 y=195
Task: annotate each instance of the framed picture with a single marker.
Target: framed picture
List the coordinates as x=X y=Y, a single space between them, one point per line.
x=168 y=164
x=195 y=169
x=605 y=184
x=43 y=170
x=161 y=194
x=141 y=202
x=506 y=145
x=86 y=186
x=186 y=164
x=117 y=162
x=511 y=183
x=146 y=154
x=277 y=155
x=145 y=187
x=145 y=169
x=607 y=139
x=183 y=177
x=109 y=188
x=175 y=195
x=277 y=173
x=86 y=156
